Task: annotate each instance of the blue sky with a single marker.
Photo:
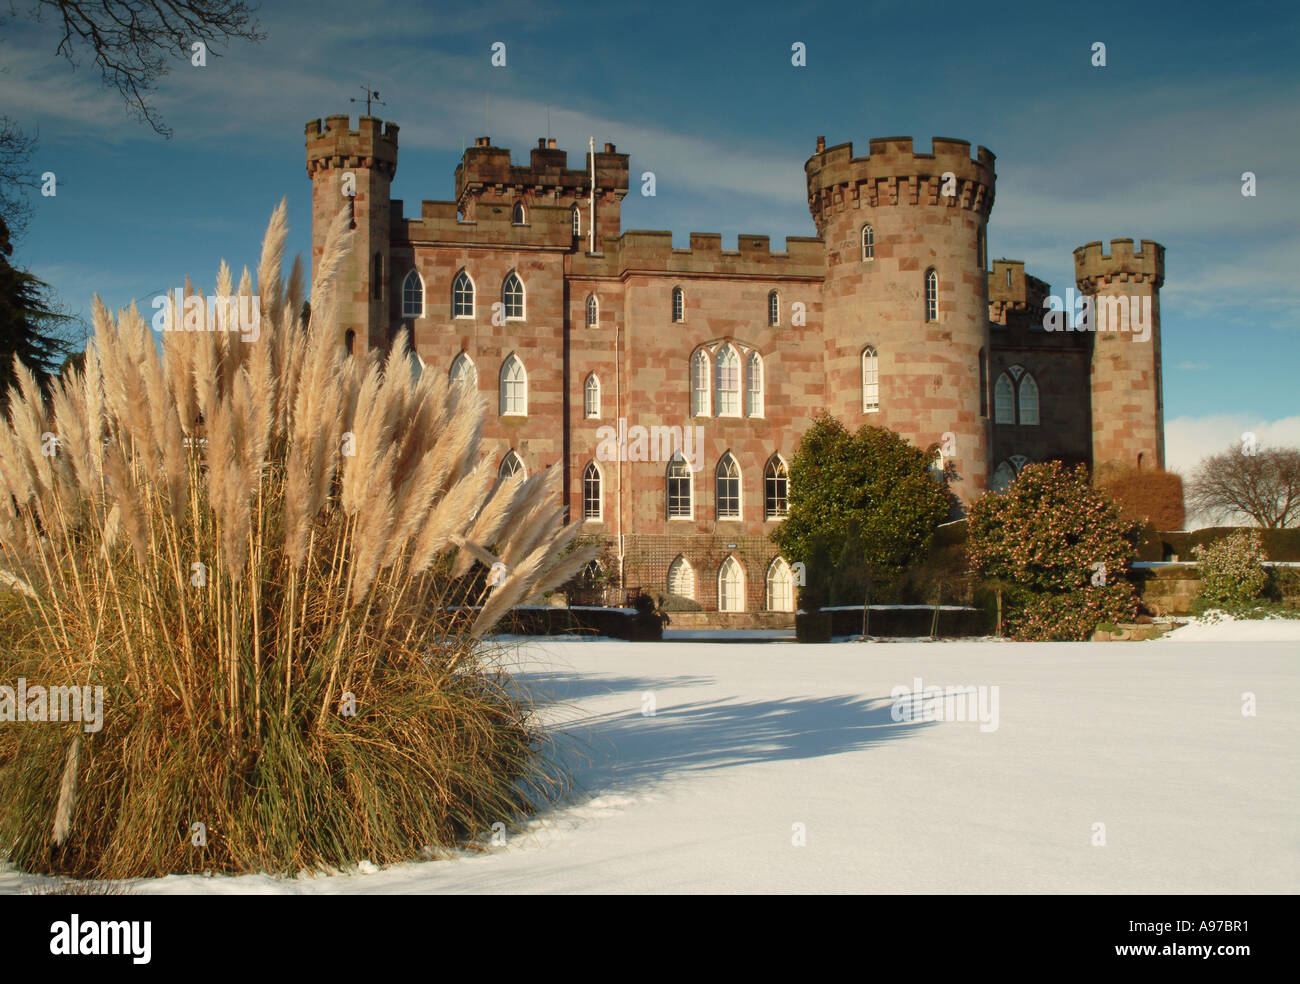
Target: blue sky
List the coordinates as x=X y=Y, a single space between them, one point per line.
x=1153 y=145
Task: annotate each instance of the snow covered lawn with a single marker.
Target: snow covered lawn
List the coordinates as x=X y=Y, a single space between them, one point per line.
x=749 y=740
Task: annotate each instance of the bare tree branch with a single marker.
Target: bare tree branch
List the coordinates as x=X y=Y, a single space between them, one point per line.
x=1264 y=486
x=16 y=176
x=132 y=41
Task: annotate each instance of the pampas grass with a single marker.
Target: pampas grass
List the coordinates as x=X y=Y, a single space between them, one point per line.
x=270 y=556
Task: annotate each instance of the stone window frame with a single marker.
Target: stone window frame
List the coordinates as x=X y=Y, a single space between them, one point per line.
x=867 y=239
x=507 y=379
x=785 y=580
x=732 y=564
x=457 y=291
x=511 y=465
x=593 y=489
x=776 y=488
x=870 y=379
x=506 y=297
x=577 y=221
x=773 y=309
x=726 y=359
x=679 y=470
x=678 y=308
x=407 y=310
x=593 y=311
x=701 y=383
x=931 y=296
x=591 y=397
x=736 y=489
x=470 y=375
x=680 y=564
x=519 y=214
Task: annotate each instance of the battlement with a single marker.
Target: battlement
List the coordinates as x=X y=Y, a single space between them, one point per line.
x=1093 y=266
x=487 y=170
x=1010 y=286
x=894 y=173
x=652 y=251
x=332 y=143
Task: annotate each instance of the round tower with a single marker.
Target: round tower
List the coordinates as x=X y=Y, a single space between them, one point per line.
x=355 y=168
x=1128 y=429
x=904 y=234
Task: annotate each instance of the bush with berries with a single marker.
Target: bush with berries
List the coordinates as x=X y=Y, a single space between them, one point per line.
x=1063 y=548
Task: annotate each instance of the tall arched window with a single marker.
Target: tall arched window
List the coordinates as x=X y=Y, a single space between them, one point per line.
x=1003 y=476
x=1028 y=400
x=727 y=376
x=412 y=296
x=591 y=497
x=591 y=397
x=868 y=243
x=1004 y=400
x=754 y=385
x=577 y=221
x=870 y=380
x=514 y=388
x=780 y=586
x=463 y=371
x=773 y=308
x=593 y=311
x=679 y=304
x=700 y=384
x=731 y=586
x=511 y=465
x=1015 y=398
x=512 y=296
x=462 y=296
x=680 y=499
x=776 y=489
x=349 y=339
x=681 y=578
x=728 y=488
x=931 y=295
x=517 y=216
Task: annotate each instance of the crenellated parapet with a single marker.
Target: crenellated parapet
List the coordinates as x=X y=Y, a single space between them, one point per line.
x=1012 y=291
x=331 y=144
x=486 y=171
x=895 y=174
x=1094 y=268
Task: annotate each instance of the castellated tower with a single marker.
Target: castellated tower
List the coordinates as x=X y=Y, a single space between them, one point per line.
x=341 y=160
x=1127 y=397
x=904 y=235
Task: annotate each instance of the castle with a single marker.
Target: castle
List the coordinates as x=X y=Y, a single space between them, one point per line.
x=572 y=329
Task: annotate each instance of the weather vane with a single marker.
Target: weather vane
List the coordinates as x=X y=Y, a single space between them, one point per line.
x=370 y=96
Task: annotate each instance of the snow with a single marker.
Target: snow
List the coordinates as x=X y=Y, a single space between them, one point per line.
x=749 y=740
x=1224 y=628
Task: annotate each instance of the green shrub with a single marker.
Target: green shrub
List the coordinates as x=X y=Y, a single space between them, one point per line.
x=1063 y=549
x=1231 y=570
x=872 y=478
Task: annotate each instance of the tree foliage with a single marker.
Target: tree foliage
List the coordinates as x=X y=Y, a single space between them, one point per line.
x=1063 y=546
x=866 y=502
x=1264 y=486
x=30 y=323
